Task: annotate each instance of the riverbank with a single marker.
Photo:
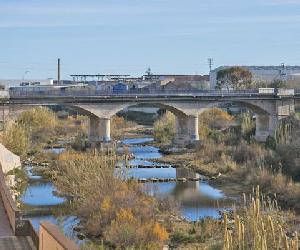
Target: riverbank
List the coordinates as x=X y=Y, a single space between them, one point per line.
x=145 y=152
x=238 y=179
x=196 y=199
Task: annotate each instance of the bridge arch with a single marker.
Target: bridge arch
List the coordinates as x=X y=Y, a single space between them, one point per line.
x=100 y=115
x=186 y=113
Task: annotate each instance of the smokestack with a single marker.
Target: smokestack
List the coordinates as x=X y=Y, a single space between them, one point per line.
x=58 y=71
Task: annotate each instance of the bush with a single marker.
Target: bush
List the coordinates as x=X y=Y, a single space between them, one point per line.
x=248 y=153
x=118 y=123
x=215 y=118
x=164 y=128
x=16 y=139
x=126 y=230
x=38 y=118
x=288 y=155
x=116 y=209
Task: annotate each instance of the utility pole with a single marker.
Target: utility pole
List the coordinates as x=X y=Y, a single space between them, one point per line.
x=58 y=71
x=210 y=63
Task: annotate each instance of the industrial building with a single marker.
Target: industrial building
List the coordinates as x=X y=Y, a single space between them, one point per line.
x=264 y=74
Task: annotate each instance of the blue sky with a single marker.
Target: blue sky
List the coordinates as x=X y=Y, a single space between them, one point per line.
x=127 y=36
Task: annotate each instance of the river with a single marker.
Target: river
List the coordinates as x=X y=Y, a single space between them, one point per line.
x=195 y=199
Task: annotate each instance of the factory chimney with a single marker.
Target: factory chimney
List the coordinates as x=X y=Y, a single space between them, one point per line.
x=58 y=71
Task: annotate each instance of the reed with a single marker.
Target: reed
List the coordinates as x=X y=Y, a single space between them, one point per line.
x=258 y=226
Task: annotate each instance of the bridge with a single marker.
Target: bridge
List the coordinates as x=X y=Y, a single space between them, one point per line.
x=269 y=107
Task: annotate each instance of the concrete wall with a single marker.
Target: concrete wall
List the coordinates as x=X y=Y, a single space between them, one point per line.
x=8 y=160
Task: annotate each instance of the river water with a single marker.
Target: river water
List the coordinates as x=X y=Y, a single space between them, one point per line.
x=195 y=199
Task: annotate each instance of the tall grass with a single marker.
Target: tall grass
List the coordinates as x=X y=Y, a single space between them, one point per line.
x=259 y=225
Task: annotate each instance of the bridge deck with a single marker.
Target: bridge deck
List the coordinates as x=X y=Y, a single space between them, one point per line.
x=5 y=228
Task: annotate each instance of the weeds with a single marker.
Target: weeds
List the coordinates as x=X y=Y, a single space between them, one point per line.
x=259 y=225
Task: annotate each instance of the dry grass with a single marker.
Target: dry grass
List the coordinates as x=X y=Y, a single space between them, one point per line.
x=259 y=225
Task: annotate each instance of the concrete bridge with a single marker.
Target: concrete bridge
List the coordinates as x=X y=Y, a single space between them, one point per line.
x=99 y=106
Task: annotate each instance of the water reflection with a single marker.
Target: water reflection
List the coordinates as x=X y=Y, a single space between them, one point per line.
x=196 y=199
x=41 y=194
x=137 y=140
x=148 y=173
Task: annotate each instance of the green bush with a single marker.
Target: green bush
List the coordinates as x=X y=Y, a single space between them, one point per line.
x=164 y=129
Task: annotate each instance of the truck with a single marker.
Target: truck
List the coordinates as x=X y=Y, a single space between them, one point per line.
x=285 y=92
x=266 y=91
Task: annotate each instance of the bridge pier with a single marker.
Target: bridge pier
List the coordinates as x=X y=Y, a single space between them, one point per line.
x=186 y=128
x=99 y=129
x=194 y=128
x=266 y=125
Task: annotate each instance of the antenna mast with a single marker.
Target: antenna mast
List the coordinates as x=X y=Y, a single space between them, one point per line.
x=210 y=63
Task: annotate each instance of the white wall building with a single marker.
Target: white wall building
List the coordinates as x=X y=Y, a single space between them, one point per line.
x=15 y=83
x=265 y=74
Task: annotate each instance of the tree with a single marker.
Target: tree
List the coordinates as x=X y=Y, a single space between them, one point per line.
x=149 y=72
x=234 y=78
x=278 y=84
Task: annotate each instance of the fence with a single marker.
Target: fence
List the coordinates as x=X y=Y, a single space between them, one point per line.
x=26 y=93
x=49 y=238
x=13 y=213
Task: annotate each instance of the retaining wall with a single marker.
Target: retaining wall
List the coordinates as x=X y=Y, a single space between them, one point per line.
x=8 y=160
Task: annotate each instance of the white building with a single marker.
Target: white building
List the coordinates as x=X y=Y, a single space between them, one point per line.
x=15 y=83
x=264 y=74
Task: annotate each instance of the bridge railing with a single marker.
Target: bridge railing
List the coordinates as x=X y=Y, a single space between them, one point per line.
x=24 y=93
x=13 y=213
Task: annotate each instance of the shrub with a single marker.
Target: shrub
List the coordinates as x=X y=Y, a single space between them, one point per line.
x=215 y=118
x=270 y=143
x=116 y=209
x=288 y=155
x=126 y=230
x=118 y=123
x=209 y=151
x=248 y=153
x=164 y=128
x=38 y=118
x=16 y=139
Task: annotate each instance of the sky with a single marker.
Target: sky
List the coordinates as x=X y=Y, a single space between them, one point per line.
x=128 y=36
